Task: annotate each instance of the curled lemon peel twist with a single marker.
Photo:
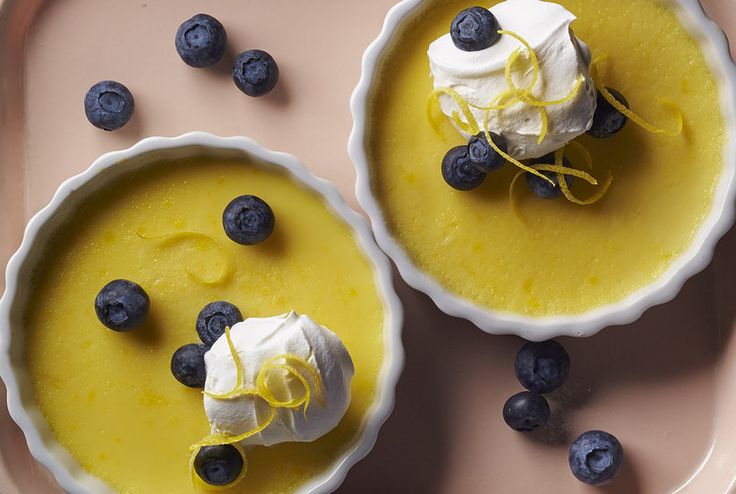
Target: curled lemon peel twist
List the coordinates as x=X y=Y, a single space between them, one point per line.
x=287 y=363
x=512 y=95
x=601 y=87
x=189 y=235
x=560 y=171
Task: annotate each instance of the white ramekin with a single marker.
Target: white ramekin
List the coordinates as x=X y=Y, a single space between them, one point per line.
x=714 y=44
x=70 y=476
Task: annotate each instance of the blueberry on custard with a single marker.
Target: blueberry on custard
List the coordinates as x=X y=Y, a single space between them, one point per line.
x=542 y=188
x=475 y=29
x=187 y=365
x=219 y=465
x=213 y=319
x=248 y=220
x=607 y=120
x=483 y=155
x=459 y=172
x=122 y=305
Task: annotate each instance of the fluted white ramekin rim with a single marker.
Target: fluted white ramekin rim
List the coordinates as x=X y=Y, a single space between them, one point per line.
x=43 y=446
x=663 y=289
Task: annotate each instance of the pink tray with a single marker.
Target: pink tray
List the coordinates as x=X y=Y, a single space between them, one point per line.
x=663 y=385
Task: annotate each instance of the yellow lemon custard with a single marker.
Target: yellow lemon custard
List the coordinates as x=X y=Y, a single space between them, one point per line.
x=110 y=397
x=634 y=200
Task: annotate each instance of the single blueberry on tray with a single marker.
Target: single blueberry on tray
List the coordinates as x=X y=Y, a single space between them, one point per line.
x=187 y=365
x=607 y=120
x=542 y=367
x=459 y=172
x=201 y=41
x=483 y=155
x=212 y=320
x=526 y=411
x=595 y=457
x=108 y=105
x=475 y=29
x=255 y=72
x=542 y=188
x=218 y=465
x=122 y=305
x=248 y=220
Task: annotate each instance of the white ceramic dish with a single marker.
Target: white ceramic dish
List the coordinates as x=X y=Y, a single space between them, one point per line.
x=715 y=46
x=70 y=476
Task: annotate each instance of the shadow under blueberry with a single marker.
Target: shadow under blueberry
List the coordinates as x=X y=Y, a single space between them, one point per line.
x=150 y=333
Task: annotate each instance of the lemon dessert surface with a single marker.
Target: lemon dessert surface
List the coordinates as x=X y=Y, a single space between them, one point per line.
x=623 y=204
x=110 y=397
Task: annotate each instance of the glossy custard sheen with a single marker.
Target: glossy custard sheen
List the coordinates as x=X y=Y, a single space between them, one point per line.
x=110 y=398
x=566 y=258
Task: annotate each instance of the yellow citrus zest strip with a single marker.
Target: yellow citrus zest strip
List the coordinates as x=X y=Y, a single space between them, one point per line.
x=238 y=369
x=559 y=154
x=564 y=170
x=222 y=438
x=506 y=156
x=434 y=99
x=600 y=86
x=587 y=158
x=533 y=101
x=197 y=482
x=545 y=125
x=512 y=197
x=178 y=236
x=512 y=58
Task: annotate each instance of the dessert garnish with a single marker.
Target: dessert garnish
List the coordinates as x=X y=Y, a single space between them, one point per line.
x=177 y=237
x=480 y=95
x=108 y=105
x=255 y=72
x=526 y=411
x=595 y=457
x=187 y=365
x=201 y=41
x=122 y=305
x=459 y=171
x=261 y=377
x=248 y=220
x=214 y=318
x=475 y=29
x=607 y=120
x=220 y=465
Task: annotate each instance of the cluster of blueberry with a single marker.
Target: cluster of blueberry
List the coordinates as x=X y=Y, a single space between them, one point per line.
x=200 y=42
x=123 y=305
x=595 y=457
x=466 y=167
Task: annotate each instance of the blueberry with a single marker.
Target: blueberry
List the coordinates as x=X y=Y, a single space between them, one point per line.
x=187 y=365
x=483 y=155
x=459 y=172
x=543 y=188
x=248 y=220
x=255 y=72
x=595 y=457
x=542 y=367
x=201 y=41
x=108 y=105
x=122 y=305
x=607 y=120
x=475 y=29
x=219 y=465
x=212 y=320
x=526 y=411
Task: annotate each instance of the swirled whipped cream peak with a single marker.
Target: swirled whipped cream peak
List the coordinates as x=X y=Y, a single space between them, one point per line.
x=479 y=77
x=291 y=382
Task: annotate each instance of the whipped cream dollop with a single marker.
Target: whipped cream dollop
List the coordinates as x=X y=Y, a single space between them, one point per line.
x=258 y=340
x=479 y=77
